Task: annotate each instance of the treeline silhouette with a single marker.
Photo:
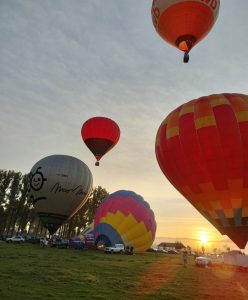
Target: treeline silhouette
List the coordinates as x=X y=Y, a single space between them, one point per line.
x=17 y=214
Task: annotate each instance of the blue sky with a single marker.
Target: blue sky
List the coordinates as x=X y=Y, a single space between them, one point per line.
x=62 y=62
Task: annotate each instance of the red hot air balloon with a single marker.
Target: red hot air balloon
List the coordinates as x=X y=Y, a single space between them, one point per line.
x=202 y=148
x=100 y=134
x=183 y=23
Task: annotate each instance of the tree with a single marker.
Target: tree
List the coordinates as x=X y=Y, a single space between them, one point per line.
x=179 y=246
x=5 y=180
x=18 y=215
x=93 y=203
x=86 y=214
x=24 y=206
x=13 y=196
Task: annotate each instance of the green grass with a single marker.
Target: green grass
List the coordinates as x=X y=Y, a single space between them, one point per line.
x=30 y=272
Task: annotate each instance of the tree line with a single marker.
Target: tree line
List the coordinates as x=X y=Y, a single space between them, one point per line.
x=17 y=214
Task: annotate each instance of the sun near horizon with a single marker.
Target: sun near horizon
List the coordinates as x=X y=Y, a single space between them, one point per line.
x=204 y=238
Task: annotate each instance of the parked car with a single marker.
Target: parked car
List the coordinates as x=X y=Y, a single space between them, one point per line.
x=216 y=259
x=118 y=248
x=201 y=261
x=60 y=243
x=33 y=240
x=15 y=239
x=76 y=244
x=209 y=260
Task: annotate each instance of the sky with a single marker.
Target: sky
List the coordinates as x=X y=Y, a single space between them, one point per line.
x=62 y=62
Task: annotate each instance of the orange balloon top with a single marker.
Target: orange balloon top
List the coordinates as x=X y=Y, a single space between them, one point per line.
x=184 y=23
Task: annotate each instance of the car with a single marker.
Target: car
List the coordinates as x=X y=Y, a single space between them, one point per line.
x=201 y=261
x=76 y=244
x=216 y=259
x=15 y=239
x=118 y=248
x=209 y=260
x=60 y=243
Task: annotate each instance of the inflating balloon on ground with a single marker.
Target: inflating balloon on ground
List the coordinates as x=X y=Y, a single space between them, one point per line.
x=125 y=218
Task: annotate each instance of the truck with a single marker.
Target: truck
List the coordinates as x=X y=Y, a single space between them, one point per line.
x=117 y=248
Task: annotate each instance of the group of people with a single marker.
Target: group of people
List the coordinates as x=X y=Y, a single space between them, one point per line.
x=129 y=250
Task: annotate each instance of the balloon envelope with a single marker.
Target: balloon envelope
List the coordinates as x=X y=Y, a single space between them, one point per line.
x=202 y=148
x=100 y=134
x=59 y=185
x=125 y=218
x=183 y=23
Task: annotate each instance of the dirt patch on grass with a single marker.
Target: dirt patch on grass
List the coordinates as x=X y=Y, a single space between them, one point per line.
x=156 y=277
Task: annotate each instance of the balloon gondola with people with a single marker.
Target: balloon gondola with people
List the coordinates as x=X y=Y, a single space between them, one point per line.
x=125 y=218
x=202 y=149
x=184 y=23
x=100 y=134
x=59 y=185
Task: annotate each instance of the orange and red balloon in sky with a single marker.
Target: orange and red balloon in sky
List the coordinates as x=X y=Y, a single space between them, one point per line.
x=184 y=23
x=202 y=149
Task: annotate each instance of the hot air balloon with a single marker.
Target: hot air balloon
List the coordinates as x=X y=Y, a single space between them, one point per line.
x=100 y=134
x=184 y=23
x=202 y=148
x=125 y=218
x=59 y=185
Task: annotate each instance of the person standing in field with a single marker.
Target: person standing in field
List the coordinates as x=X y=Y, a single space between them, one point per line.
x=185 y=257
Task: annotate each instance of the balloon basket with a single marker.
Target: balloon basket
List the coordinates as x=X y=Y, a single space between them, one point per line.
x=186 y=57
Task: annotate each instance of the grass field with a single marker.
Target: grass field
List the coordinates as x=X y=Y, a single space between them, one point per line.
x=30 y=272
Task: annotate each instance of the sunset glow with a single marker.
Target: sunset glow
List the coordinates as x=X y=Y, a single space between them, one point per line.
x=204 y=238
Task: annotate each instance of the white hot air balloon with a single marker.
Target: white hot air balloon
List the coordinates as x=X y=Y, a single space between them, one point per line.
x=59 y=185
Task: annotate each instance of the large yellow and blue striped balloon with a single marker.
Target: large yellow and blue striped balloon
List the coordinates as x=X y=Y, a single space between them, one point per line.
x=125 y=218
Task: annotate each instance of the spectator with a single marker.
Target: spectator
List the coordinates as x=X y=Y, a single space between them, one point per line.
x=185 y=257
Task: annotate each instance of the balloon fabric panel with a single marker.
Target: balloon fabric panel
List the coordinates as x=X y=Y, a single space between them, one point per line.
x=100 y=146
x=195 y=21
x=100 y=127
x=131 y=231
x=127 y=204
x=106 y=232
